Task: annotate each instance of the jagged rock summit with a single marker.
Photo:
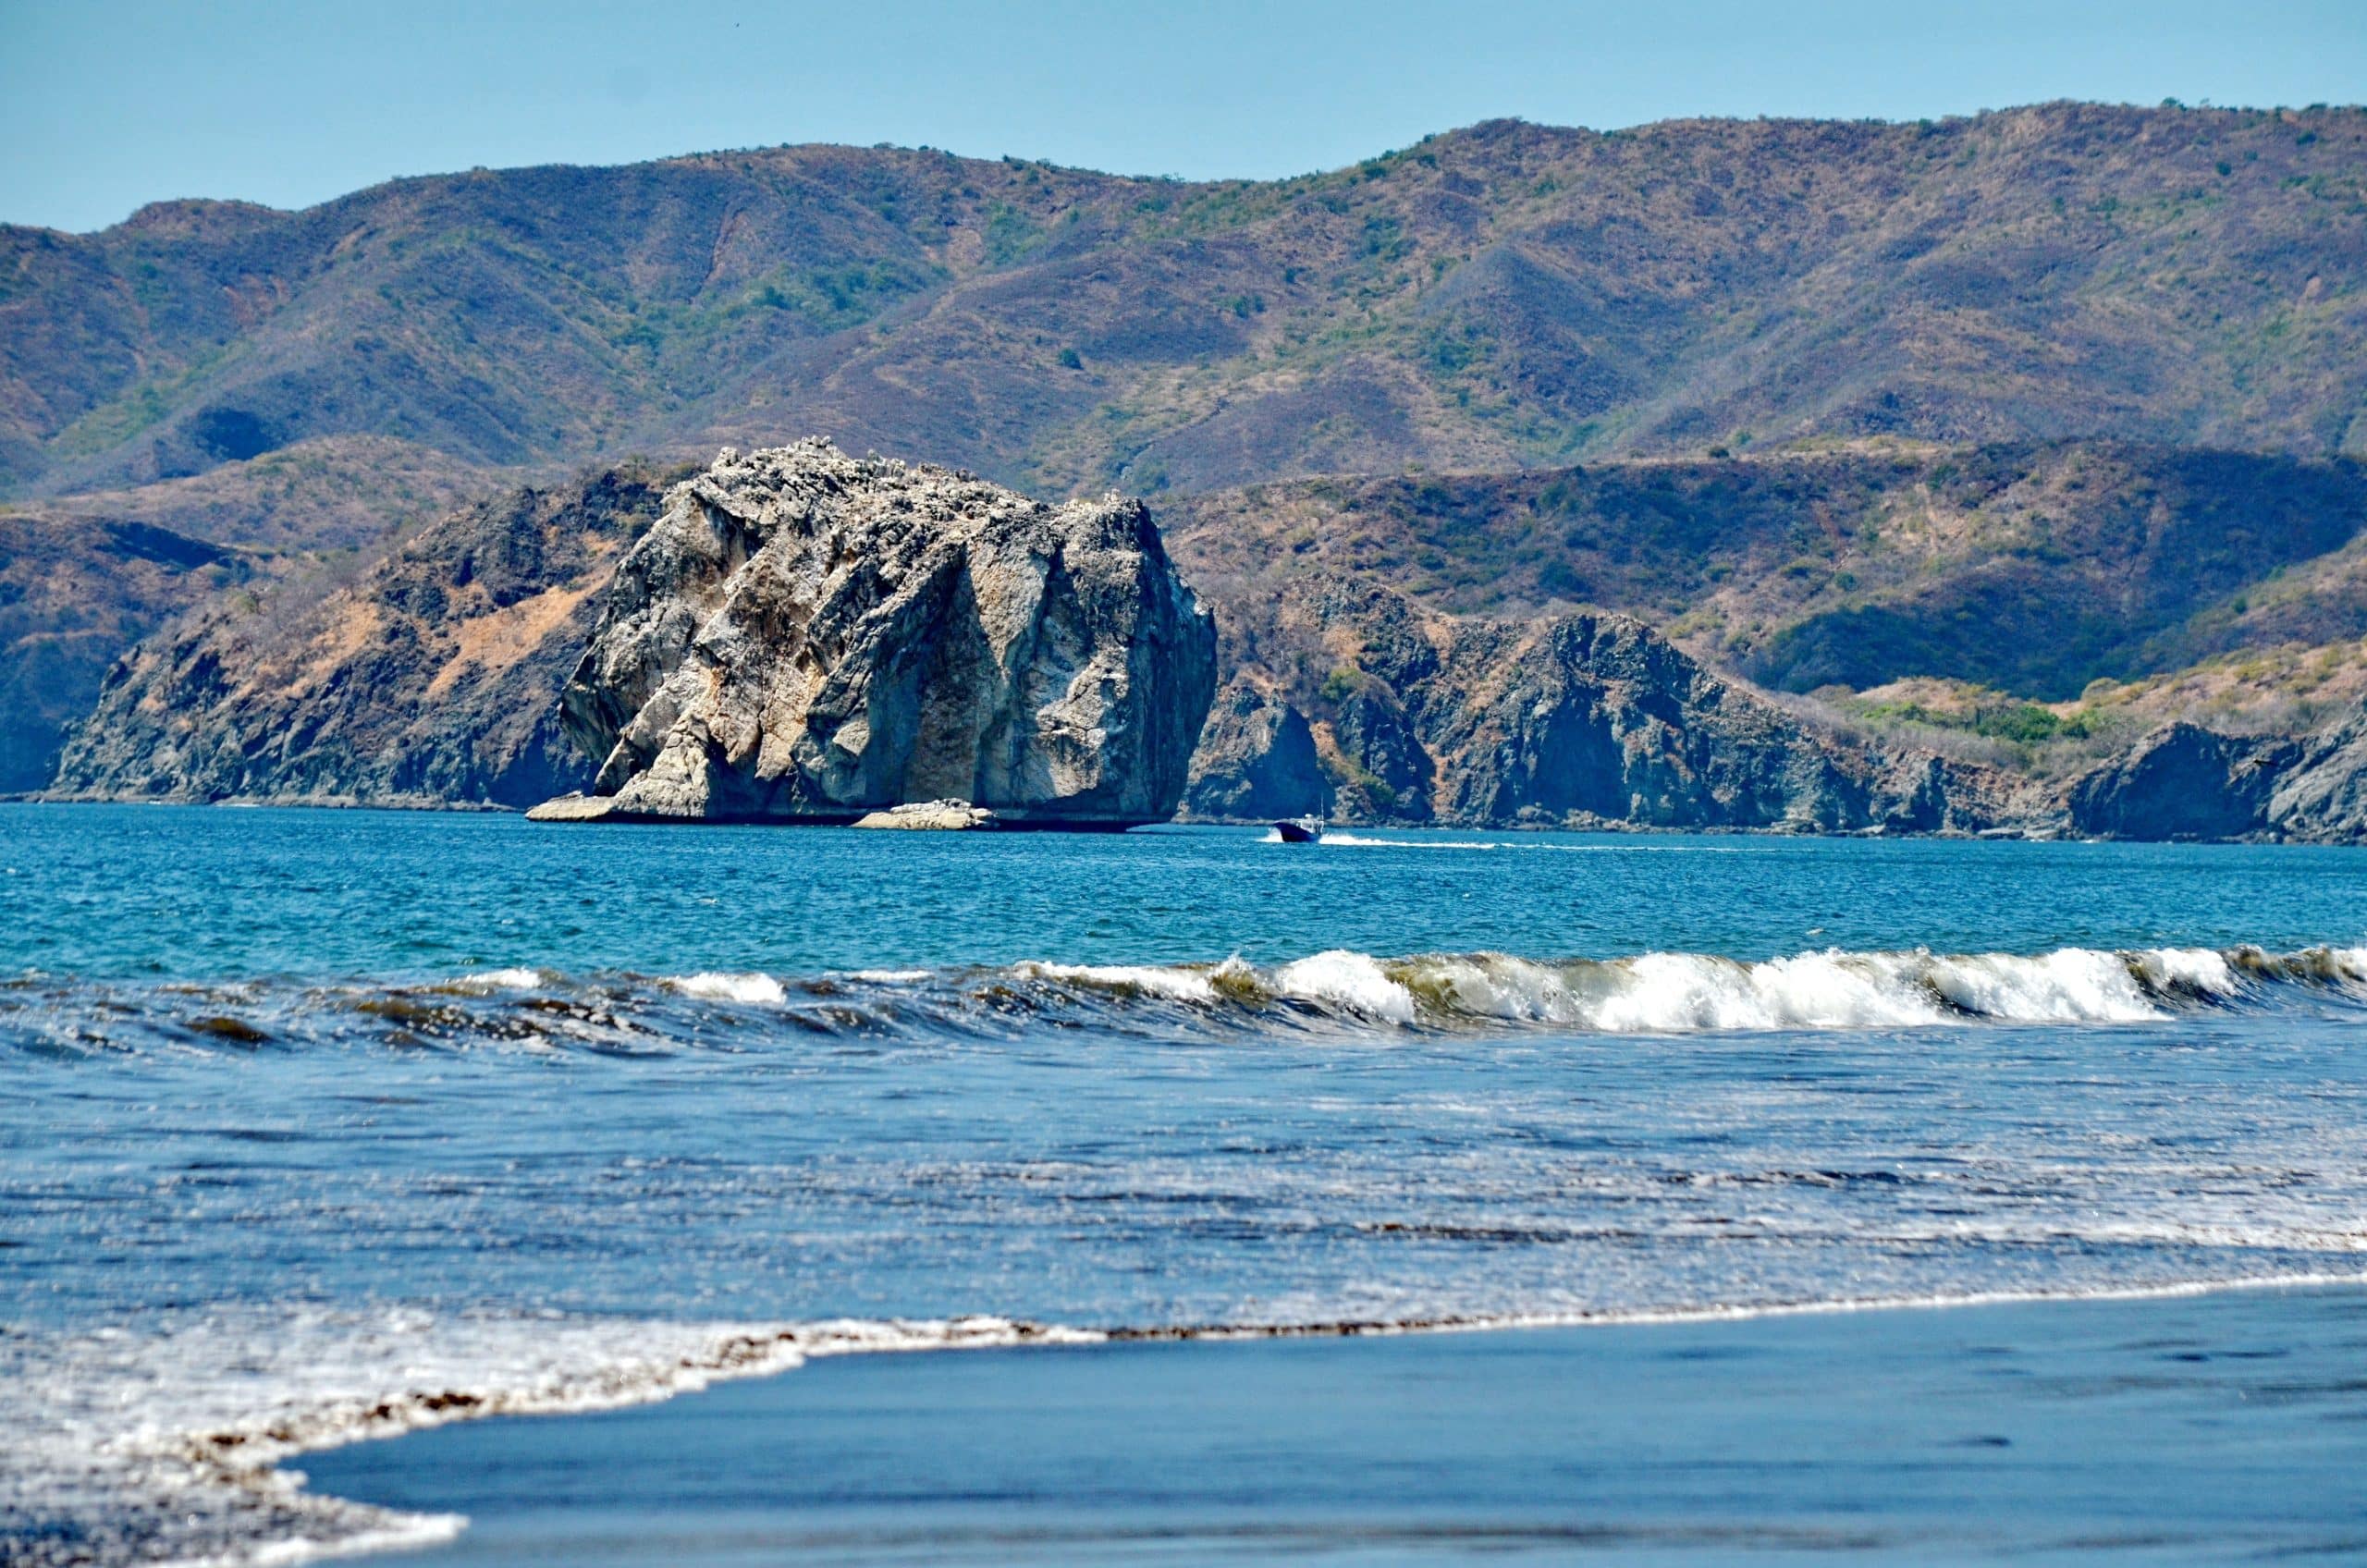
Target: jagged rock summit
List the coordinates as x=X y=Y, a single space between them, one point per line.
x=809 y=636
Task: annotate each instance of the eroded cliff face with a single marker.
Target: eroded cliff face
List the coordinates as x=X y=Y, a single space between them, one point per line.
x=429 y=677
x=2321 y=795
x=1577 y=720
x=1256 y=759
x=804 y=635
x=74 y=592
x=2185 y=781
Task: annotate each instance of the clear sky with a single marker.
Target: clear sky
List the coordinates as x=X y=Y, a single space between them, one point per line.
x=108 y=103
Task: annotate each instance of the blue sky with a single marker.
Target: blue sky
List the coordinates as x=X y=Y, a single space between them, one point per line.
x=108 y=103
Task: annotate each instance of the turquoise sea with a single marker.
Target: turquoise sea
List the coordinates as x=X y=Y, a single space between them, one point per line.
x=324 y=1125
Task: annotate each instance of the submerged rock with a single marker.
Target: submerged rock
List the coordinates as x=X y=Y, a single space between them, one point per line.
x=931 y=816
x=573 y=807
x=809 y=636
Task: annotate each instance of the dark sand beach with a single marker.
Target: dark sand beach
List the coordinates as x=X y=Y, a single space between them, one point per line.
x=2207 y=1428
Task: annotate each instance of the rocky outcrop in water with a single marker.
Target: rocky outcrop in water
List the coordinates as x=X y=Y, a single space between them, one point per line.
x=430 y=677
x=804 y=635
x=1579 y=720
x=930 y=817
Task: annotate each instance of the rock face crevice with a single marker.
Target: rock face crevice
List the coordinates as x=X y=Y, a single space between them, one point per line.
x=809 y=636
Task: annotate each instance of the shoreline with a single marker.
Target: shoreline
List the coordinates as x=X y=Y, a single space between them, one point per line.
x=1444 y=1439
x=423 y=806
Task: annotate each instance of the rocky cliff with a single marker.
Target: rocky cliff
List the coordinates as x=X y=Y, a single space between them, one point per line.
x=2184 y=781
x=74 y=592
x=430 y=677
x=804 y=635
x=1256 y=759
x=1577 y=720
x=809 y=635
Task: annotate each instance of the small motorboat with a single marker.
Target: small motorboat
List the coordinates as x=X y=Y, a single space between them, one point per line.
x=1299 y=830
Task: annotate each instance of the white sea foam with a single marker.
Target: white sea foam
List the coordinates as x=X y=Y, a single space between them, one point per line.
x=1638 y=843
x=2204 y=971
x=717 y=987
x=1351 y=980
x=174 y=1432
x=1673 y=992
x=1177 y=982
x=1648 y=993
x=179 y=1432
x=1837 y=989
x=2070 y=985
x=503 y=979
x=1677 y=991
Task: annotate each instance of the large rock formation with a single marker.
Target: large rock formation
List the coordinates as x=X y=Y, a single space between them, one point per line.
x=804 y=635
x=2181 y=782
x=2184 y=781
x=430 y=677
x=1579 y=720
x=1256 y=760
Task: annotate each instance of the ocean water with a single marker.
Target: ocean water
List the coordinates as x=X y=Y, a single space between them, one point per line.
x=318 y=1125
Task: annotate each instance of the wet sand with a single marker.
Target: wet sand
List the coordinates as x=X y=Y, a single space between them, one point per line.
x=2202 y=1428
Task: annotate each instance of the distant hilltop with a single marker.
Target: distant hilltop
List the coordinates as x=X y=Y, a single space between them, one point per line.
x=1501 y=296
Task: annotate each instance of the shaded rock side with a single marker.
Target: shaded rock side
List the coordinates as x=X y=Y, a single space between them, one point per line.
x=1256 y=760
x=2181 y=782
x=2185 y=781
x=2321 y=794
x=1597 y=720
x=430 y=677
x=804 y=635
x=76 y=592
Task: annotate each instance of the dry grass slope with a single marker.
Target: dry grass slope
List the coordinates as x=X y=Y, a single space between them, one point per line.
x=1501 y=297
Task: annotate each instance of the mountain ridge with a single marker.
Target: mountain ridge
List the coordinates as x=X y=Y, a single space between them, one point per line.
x=1502 y=296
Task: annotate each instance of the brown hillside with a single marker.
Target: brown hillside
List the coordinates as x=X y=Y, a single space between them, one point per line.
x=1496 y=298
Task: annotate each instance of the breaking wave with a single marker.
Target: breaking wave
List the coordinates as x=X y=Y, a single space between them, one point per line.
x=731 y=987
x=1335 y=993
